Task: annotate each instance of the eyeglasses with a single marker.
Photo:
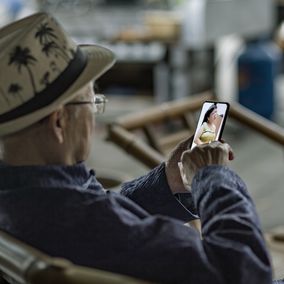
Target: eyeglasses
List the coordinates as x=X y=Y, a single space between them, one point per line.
x=99 y=103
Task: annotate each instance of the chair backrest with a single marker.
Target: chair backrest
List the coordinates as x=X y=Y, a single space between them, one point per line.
x=150 y=134
x=22 y=264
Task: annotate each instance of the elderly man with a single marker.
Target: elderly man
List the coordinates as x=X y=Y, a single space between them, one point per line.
x=49 y=199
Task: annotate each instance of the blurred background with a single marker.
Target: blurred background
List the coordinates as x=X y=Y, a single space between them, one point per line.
x=169 y=50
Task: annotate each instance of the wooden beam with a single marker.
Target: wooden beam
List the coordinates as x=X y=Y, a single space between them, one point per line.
x=258 y=123
x=168 y=110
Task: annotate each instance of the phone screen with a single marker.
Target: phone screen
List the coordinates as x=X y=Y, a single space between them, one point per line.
x=211 y=122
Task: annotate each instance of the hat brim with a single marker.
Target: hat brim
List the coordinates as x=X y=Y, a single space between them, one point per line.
x=100 y=59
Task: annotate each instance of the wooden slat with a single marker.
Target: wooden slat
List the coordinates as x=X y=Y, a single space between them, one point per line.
x=168 y=110
x=264 y=126
x=134 y=146
x=151 y=135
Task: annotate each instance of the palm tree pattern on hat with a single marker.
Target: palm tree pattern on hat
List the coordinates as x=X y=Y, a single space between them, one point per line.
x=47 y=38
x=22 y=57
x=15 y=89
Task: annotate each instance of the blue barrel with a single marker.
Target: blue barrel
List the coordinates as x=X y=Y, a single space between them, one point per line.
x=258 y=66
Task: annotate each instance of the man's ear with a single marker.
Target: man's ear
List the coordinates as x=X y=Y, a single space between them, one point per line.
x=57 y=124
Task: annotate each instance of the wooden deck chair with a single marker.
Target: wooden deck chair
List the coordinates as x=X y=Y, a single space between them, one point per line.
x=150 y=134
x=22 y=264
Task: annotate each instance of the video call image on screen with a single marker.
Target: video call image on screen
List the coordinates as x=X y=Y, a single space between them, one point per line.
x=210 y=123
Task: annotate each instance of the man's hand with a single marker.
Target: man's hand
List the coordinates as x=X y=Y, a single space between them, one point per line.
x=172 y=169
x=215 y=153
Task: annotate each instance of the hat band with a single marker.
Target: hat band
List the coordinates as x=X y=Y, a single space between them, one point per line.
x=52 y=91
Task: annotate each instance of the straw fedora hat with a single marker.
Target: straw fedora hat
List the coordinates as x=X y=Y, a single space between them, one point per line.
x=41 y=68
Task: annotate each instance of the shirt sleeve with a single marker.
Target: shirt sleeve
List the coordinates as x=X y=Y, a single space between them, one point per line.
x=152 y=193
x=230 y=225
x=232 y=248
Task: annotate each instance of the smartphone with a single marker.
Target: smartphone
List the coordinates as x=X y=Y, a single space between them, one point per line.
x=211 y=122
